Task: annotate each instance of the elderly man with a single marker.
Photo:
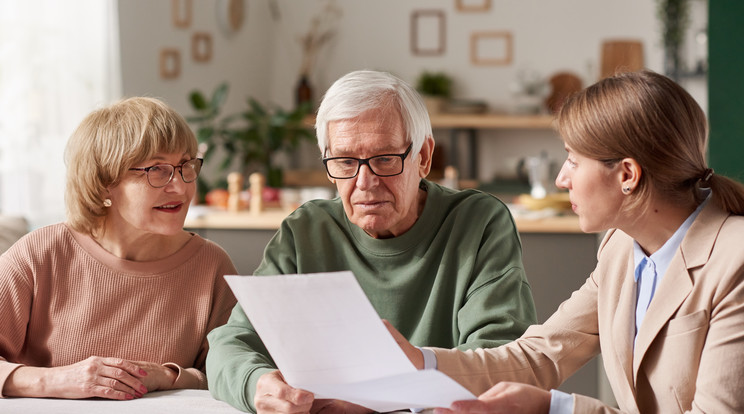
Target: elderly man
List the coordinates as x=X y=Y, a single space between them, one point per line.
x=443 y=266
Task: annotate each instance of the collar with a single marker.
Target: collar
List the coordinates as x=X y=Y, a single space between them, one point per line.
x=664 y=255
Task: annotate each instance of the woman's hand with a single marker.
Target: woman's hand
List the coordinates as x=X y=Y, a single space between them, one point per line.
x=413 y=353
x=159 y=377
x=274 y=395
x=111 y=378
x=505 y=397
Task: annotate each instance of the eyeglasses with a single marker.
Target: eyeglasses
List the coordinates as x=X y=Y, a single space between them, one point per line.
x=385 y=165
x=162 y=174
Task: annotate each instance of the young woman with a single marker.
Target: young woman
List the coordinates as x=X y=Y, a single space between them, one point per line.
x=665 y=304
x=118 y=300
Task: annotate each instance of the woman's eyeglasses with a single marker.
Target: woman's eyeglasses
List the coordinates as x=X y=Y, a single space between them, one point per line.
x=160 y=175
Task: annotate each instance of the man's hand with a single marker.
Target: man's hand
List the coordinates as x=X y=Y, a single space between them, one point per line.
x=413 y=353
x=111 y=378
x=274 y=395
x=504 y=397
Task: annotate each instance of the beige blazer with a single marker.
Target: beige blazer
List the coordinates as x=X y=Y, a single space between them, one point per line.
x=689 y=355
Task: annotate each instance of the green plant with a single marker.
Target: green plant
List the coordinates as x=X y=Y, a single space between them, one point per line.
x=250 y=137
x=434 y=84
x=674 y=16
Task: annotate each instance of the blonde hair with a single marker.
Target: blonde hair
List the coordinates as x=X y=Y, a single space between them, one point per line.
x=646 y=116
x=107 y=143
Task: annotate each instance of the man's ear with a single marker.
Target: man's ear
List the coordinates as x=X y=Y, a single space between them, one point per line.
x=425 y=157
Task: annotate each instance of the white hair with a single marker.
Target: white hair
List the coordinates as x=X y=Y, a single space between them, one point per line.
x=363 y=90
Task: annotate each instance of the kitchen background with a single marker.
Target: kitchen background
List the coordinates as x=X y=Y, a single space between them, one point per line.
x=168 y=48
x=262 y=58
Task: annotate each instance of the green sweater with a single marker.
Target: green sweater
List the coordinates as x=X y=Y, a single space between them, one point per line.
x=455 y=279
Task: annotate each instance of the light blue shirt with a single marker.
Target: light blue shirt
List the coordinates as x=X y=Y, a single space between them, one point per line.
x=561 y=402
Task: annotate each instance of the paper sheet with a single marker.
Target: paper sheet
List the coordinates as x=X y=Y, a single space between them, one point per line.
x=325 y=337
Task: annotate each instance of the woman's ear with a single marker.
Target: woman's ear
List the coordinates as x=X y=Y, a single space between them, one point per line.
x=629 y=175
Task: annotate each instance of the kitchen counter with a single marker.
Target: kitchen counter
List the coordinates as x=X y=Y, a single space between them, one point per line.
x=270 y=219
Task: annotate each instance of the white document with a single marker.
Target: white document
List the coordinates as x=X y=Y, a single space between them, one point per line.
x=325 y=337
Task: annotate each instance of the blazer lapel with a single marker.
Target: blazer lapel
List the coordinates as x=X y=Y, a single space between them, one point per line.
x=674 y=288
x=677 y=283
x=623 y=324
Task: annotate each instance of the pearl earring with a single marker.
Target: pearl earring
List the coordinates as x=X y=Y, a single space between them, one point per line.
x=107 y=202
x=626 y=190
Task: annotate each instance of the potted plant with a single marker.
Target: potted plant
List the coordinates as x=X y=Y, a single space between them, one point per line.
x=674 y=16
x=435 y=88
x=251 y=137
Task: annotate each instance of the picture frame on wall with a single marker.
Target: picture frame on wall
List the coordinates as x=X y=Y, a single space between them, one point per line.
x=428 y=32
x=170 y=63
x=182 y=13
x=491 y=48
x=476 y=6
x=201 y=47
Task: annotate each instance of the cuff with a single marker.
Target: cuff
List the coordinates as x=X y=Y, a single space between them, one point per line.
x=560 y=402
x=6 y=368
x=187 y=378
x=430 y=359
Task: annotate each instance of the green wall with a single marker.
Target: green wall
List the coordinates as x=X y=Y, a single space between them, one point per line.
x=726 y=87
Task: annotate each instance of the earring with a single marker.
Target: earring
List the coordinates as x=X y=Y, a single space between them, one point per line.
x=626 y=190
x=107 y=202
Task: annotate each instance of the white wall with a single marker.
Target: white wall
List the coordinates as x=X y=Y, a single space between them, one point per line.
x=240 y=58
x=262 y=59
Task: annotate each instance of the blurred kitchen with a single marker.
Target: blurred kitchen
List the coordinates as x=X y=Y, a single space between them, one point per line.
x=499 y=68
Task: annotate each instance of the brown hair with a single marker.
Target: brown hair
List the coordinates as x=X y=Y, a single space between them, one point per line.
x=647 y=117
x=107 y=143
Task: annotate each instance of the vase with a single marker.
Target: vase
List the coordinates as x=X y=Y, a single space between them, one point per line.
x=303 y=92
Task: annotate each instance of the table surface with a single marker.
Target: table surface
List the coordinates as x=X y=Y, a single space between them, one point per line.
x=176 y=401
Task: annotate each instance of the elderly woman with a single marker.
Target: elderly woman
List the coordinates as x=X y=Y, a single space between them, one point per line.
x=665 y=304
x=118 y=300
x=443 y=265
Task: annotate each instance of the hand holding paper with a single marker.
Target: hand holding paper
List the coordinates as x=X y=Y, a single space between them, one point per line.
x=326 y=337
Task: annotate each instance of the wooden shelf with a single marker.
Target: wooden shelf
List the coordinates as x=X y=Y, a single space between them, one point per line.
x=491 y=121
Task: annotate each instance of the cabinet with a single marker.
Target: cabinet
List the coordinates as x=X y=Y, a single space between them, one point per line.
x=469 y=125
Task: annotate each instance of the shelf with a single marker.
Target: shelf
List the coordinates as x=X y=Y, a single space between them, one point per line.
x=491 y=121
x=480 y=121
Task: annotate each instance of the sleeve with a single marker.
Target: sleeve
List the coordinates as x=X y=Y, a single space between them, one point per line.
x=237 y=357
x=544 y=356
x=223 y=302
x=499 y=306
x=16 y=293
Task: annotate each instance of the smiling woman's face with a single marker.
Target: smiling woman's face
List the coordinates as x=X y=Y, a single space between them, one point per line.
x=381 y=206
x=137 y=207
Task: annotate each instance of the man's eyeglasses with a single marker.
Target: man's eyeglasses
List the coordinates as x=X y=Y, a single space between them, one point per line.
x=385 y=165
x=162 y=174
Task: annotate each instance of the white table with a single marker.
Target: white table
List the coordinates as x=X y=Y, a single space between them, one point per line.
x=159 y=402
x=177 y=401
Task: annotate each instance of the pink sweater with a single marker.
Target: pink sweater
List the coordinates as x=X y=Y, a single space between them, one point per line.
x=64 y=298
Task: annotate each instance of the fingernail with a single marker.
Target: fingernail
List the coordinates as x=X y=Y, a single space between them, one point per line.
x=143 y=372
x=128 y=397
x=138 y=394
x=143 y=389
